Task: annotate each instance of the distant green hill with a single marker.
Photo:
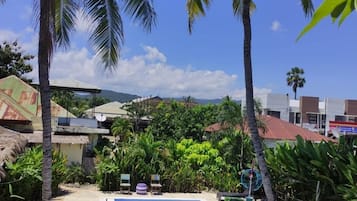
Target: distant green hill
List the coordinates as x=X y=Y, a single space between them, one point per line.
x=113 y=96
x=124 y=97
x=203 y=101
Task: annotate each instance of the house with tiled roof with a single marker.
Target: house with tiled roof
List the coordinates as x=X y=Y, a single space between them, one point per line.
x=20 y=105
x=277 y=131
x=20 y=110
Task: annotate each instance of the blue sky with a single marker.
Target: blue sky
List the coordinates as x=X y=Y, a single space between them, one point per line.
x=209 y=63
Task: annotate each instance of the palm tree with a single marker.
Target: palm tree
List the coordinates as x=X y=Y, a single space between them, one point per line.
x=230 y=114
x=243 y=8
x=295 y=79
x=56 y=19
x=122 y=129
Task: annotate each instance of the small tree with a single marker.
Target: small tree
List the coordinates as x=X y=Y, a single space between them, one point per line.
x=13 y=61
x=121 y=129
x=295 y=79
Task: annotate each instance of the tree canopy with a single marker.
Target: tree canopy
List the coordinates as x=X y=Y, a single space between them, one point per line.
x=13 y=61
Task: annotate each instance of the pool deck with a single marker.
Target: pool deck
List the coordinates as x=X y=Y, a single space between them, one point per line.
x=91 y=192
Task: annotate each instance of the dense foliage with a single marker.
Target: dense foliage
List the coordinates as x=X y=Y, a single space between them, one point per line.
x=24 y=176
x=13 y=61
x=176 y=146
x=176 y=120
x=309 y=171
x=184 y=166
x=191 y=160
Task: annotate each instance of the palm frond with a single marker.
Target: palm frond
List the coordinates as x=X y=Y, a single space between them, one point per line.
x=238 y=7
x=142 y=11
x=308 y=7
x=194 y=9
x=65 y=16
x=2 y=1
x=108 y=35
x=36 y=13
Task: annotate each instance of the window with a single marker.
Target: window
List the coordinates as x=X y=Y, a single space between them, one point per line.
x=322 y=121
x=312 y=118
x=339 y=118
x=274 y=114
x=291 y=117
x=297 y=117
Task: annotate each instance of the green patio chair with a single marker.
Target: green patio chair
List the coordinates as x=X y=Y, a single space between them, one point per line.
x=125 y=183
x=155 y=185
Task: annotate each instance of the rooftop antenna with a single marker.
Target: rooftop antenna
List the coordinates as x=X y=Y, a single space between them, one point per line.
x=100 y=118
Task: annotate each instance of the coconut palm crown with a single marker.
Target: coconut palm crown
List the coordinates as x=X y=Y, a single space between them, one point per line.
x=295 y=79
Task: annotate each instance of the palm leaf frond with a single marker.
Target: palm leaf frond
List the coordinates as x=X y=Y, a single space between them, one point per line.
x=194 y=9
x=108 y=35
x=308 y=7
x=142 y=11
x=238 y=7
x=65 y=16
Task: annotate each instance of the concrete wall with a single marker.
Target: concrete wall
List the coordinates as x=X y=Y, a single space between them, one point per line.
x=73 y=152
x=279 y=102
x=308 y=105
x=333 y=107
x=351 y=107
x=275 y=102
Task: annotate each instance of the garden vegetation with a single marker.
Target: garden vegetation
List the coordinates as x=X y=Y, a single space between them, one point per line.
x=188 y=159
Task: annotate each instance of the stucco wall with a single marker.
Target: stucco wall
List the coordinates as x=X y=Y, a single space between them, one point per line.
x=73 y=152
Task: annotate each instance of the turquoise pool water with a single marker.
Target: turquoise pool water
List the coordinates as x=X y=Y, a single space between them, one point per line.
x=152 y=199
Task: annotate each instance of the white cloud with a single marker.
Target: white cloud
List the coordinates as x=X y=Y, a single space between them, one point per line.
x=8 y=35
x=154 y=54
x=146 y=74
x=275 y=26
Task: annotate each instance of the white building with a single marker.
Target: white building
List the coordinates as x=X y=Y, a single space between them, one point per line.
x=327 y=116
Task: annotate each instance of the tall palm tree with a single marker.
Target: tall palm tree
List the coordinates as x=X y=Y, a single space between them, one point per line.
x=56 y=21
x=243 y=8
x=295 y=79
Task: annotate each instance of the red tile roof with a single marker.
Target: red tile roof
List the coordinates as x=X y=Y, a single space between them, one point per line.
x=277 y=129
x=20 y=101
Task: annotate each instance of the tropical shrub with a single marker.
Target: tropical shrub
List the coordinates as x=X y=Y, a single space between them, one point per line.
x=177 y=121
x=140 y=156
x=202 y=158
x=235 y=147
x=75 y=174
x=309 y=171
x=24 y=175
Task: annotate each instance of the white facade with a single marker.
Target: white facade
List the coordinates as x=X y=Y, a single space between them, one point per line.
x=274 y=105
x=279 y=105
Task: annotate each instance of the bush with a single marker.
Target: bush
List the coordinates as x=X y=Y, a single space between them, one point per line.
x=75 y=174
x=25 y=175
x=309 y=171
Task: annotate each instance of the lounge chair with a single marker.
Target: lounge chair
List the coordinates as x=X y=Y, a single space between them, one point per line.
x=125 y=183
x=230 y=195
x=155 y=185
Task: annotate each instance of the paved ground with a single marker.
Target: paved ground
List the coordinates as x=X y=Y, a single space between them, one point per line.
x=91 y=192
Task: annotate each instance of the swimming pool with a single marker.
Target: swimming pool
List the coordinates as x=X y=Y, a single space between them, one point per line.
x=153 y=199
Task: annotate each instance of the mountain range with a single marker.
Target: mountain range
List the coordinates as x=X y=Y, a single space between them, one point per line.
x=125 y=97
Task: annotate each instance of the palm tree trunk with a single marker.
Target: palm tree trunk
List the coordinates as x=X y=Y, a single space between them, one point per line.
x=44 y=58
x=250 y=104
